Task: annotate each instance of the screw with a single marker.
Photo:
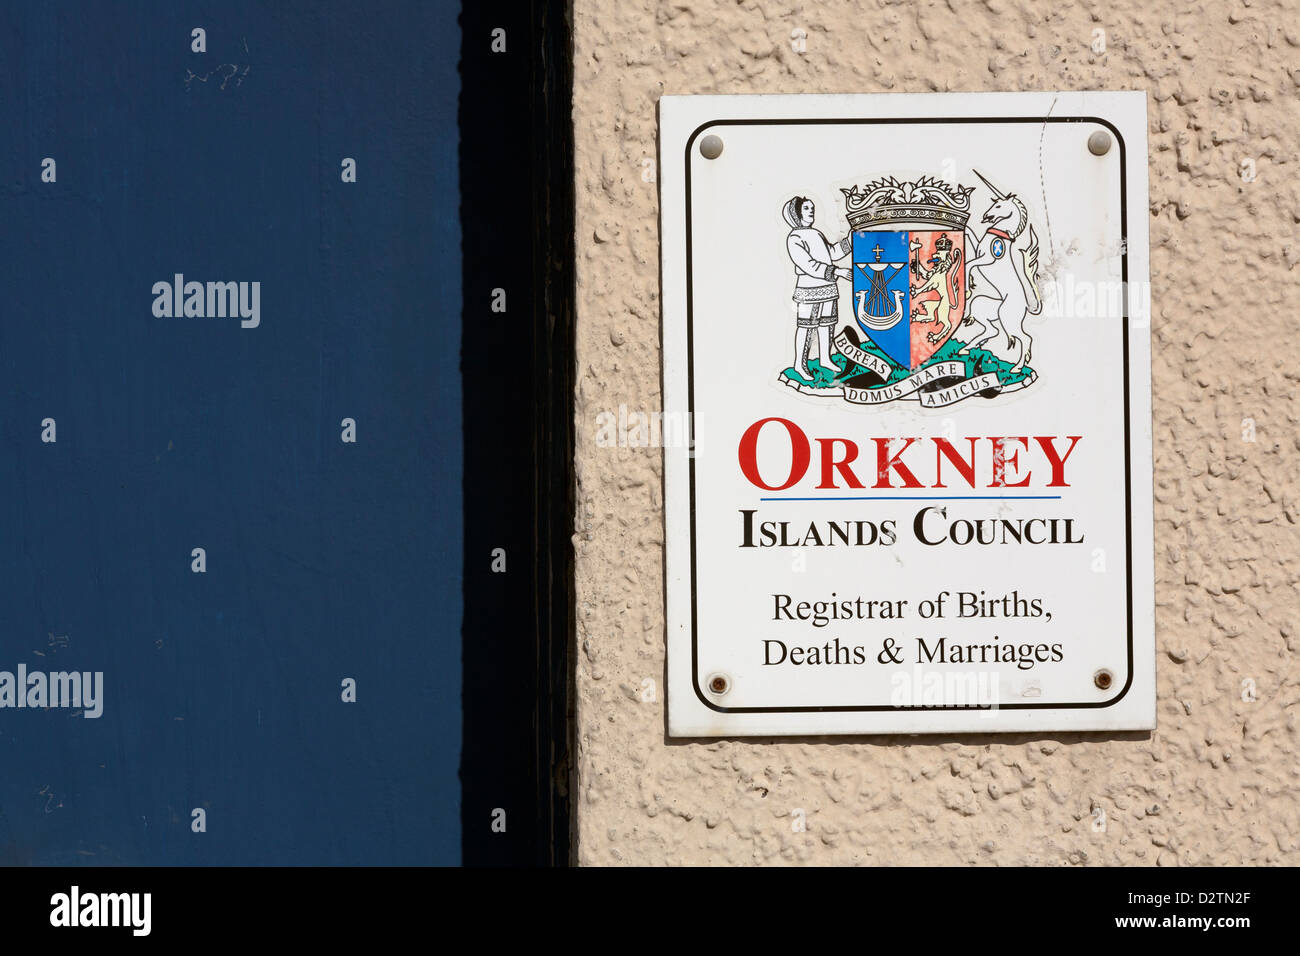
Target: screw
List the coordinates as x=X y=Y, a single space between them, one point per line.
x=1102 y=679
x=1099 y=143
x=718 y=684
x=711 y=146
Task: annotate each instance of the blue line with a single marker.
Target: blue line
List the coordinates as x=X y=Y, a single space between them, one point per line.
x=933 y=498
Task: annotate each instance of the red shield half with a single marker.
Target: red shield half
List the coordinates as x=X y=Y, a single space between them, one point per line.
x=938 y=290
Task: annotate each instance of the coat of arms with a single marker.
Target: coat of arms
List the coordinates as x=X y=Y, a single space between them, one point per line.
x=938 y=312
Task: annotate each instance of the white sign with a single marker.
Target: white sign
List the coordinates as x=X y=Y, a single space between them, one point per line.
x=911 y=336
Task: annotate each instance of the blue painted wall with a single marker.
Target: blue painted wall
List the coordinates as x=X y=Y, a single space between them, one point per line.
x=325 y=560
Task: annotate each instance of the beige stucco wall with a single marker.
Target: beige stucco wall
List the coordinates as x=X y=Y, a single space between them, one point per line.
x=1219 y=781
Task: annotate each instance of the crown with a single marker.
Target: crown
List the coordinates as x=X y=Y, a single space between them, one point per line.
x=943 y=244
x=888 y=200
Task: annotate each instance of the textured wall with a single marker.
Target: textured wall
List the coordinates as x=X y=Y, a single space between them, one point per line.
x=1219 y=781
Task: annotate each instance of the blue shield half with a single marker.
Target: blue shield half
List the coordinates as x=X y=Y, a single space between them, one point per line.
x=881 y=292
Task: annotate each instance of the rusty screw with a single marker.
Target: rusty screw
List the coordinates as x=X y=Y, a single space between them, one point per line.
x=1102 y=679
x=718 y=684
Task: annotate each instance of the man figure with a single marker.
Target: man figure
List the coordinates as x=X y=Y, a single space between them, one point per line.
x=816 y=293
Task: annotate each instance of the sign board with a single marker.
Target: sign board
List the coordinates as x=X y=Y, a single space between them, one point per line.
x=910 y=334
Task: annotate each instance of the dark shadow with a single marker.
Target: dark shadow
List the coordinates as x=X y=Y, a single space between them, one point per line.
x=516 y=186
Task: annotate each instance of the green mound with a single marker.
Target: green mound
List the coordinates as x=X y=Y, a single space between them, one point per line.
x=978 y=362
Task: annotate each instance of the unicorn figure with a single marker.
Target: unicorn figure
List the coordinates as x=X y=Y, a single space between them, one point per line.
x=1002 y=276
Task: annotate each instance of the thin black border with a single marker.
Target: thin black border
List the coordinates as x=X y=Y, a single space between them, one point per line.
x=517 y=732
x=555 y=367
x=1128 y=470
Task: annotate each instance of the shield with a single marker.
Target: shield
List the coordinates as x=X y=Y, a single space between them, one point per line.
x=909 y=290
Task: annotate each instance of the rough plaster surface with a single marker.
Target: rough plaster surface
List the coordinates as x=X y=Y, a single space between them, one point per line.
x=1219 y=781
